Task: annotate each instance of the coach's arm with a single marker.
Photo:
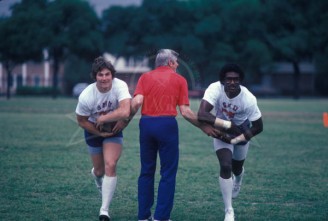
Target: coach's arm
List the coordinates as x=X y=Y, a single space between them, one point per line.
x=191 y=117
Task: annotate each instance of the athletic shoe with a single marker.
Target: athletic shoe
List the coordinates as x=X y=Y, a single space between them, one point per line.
x=98 y=181
x=229 y=215
x=236 y=188
x=104 y=218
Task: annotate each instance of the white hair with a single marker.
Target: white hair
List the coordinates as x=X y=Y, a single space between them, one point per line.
x=164 y=56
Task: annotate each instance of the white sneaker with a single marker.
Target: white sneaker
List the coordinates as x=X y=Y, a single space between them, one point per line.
x=98 y=181
x=235 y=188
x=103 y=215
x=229 y=215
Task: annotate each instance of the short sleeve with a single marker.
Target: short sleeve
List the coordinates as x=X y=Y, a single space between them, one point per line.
x=254 y=113
x=212 y=93
x=123 y=91
x=253 y=110
x=139 y=88
x=82 y=107
x=183 y=98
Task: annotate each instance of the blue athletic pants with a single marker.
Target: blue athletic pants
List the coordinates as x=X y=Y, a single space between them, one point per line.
x=157 y=135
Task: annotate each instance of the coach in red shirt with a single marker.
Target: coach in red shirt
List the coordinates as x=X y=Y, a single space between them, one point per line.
x=159 y=92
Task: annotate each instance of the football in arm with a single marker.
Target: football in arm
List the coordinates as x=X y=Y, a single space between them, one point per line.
x=108 y=127
x=242 y=128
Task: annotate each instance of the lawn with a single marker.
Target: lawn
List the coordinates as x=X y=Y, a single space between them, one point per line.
x=45 y=167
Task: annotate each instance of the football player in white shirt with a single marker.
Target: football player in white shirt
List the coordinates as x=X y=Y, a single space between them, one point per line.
x=231 y=102
x=100 y=111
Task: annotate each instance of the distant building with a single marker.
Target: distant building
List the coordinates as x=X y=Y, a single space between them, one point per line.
x=33 y=74
x=278 y=79
x=129 y=70
x=282 y=78
x=98 y=5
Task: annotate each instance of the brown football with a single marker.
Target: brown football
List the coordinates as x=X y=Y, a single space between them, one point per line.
x=108 y=127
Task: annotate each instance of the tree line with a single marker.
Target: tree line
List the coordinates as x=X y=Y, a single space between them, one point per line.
x=206 y=33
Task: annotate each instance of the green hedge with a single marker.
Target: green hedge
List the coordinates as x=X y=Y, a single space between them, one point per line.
x=39 y=91
x=321 y=84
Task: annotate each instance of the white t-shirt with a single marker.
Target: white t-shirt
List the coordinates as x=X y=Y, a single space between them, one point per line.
x=238 y=109
x=93 y=103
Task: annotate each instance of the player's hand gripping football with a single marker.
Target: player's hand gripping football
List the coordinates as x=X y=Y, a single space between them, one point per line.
x=119 y=126
x=222 y=135
x=209 y=130
x=234 y=129
x=105 y=130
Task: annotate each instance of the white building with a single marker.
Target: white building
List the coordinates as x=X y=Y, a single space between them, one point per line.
x=33 y=74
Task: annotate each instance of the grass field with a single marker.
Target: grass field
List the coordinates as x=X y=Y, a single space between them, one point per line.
x=45 y=168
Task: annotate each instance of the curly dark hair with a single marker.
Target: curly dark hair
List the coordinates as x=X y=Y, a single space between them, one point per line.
x=231 y=67
x=99 y=64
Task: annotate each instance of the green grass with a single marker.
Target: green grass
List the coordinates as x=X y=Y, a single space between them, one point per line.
x=45 y=166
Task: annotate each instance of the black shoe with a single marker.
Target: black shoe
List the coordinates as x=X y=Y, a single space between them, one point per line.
x=104 y=218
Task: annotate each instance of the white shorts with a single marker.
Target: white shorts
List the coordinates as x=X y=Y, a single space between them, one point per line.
x=239 y=152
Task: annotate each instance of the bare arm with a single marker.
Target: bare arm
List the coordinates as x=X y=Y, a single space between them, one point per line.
x=191 y=117
x=90 y=127
x=122 y=112
x=204 y=113
x=136 y=103
x=257 y=127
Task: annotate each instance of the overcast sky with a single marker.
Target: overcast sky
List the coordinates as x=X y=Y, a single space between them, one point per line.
x=99 y=5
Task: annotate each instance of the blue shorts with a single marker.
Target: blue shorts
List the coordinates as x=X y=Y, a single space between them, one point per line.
x=95 y=143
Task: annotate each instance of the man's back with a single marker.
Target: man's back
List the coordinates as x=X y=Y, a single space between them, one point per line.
x=163 y=90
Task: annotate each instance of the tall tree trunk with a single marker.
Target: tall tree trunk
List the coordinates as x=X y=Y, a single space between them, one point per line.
x=9 y=69
x=9 y=83
x=55 y=78
x=297 y=74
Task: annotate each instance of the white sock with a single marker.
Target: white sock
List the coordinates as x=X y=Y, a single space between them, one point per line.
x=226 y=190
x=108 y=189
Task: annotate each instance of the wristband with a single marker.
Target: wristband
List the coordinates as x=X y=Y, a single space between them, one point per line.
x=238 y=139
x=222 y=123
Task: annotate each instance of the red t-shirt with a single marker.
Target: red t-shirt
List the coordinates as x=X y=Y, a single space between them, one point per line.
x=163 y=90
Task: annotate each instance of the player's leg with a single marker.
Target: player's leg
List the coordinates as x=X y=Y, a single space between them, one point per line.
x=98 y=170
x=96 y=153
x=224 y=155
x=112 y=149
x=238 y=173
x=237 y=167
x=112 y=152
x=238 y=159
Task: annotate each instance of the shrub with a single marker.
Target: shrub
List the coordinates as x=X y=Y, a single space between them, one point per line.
x=35 y=91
